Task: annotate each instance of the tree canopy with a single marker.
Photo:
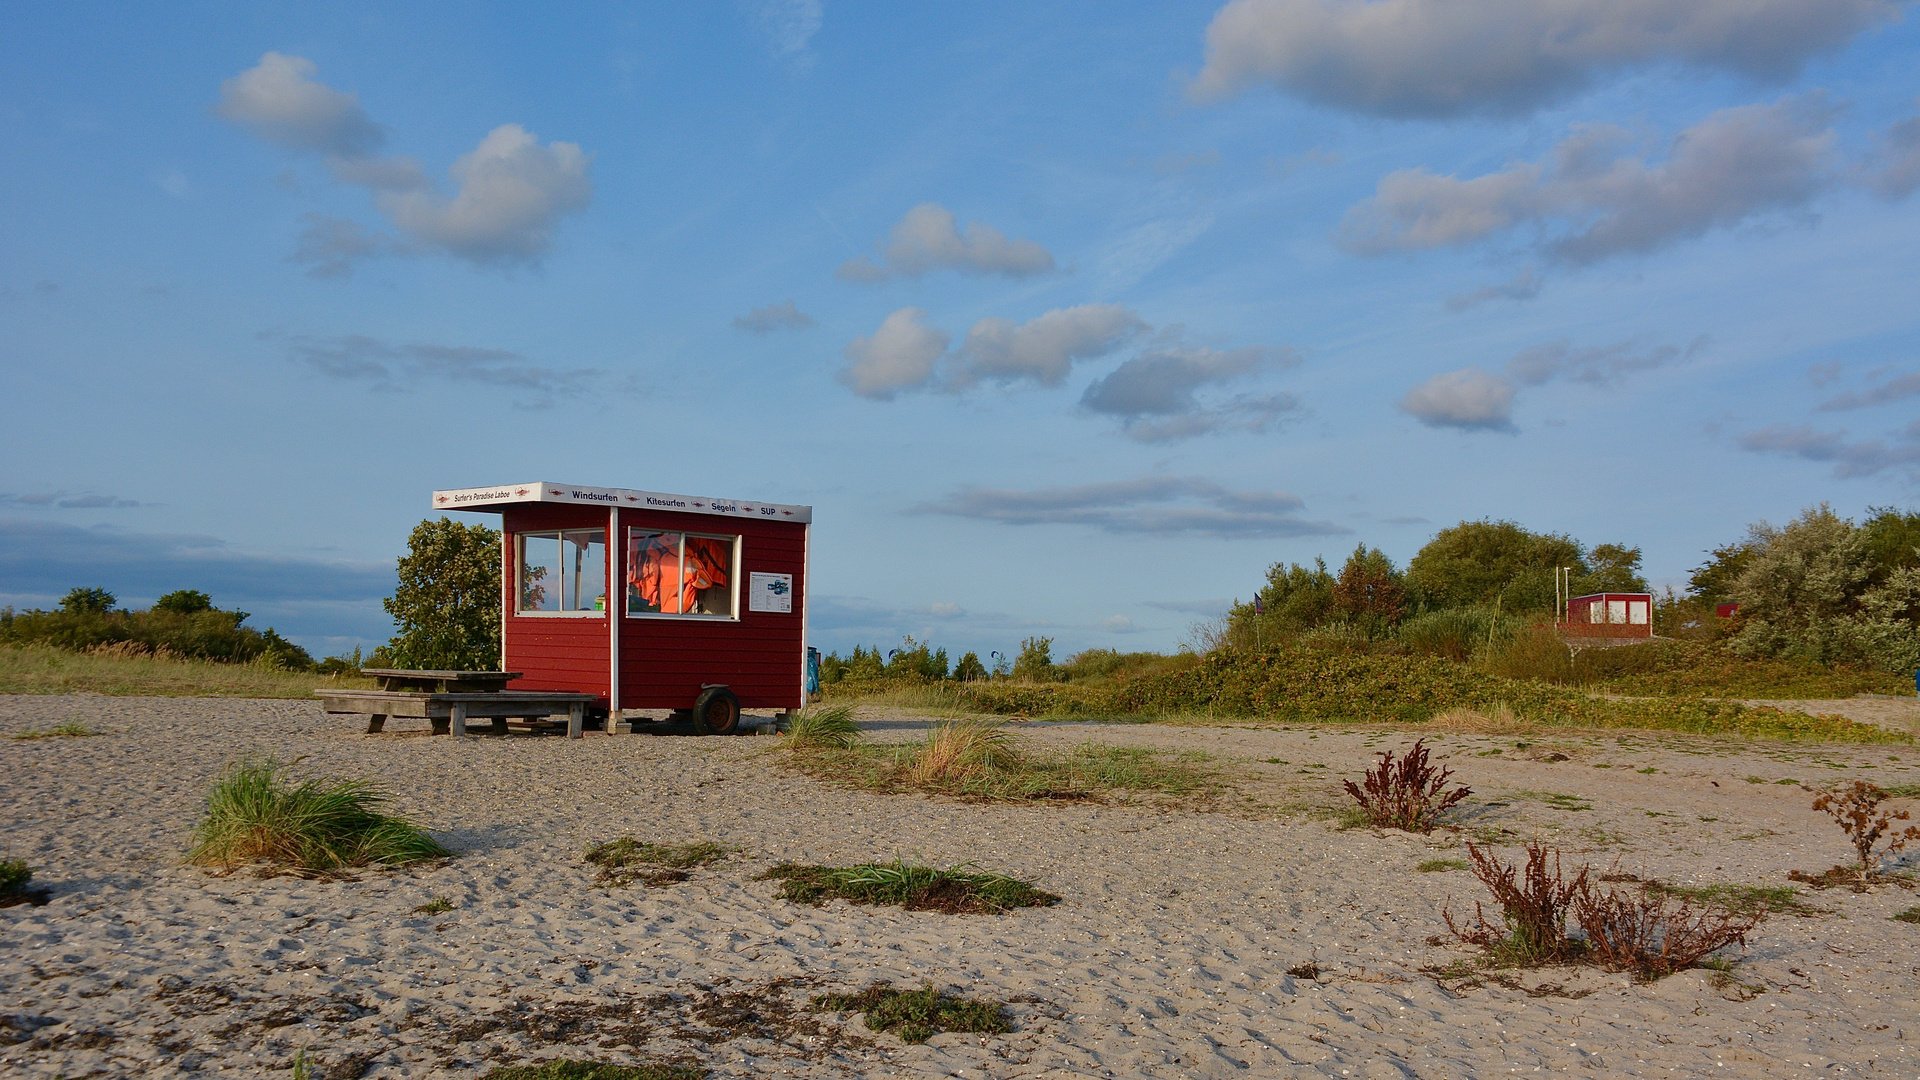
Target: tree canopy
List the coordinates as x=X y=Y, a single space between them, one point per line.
x=448 y=600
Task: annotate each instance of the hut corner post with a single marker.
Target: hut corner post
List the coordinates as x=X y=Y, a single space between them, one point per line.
x=614 y=612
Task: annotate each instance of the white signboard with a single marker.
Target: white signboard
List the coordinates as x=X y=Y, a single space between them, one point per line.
x=769 y=592
x=491 y=498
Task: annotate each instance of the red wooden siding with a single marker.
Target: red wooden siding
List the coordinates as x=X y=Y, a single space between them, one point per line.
x=664 y=661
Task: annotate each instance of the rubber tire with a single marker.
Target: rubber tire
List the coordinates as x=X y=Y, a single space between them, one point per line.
x=716 y=712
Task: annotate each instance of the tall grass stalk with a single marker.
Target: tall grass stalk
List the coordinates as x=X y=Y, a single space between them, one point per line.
x=257 y=812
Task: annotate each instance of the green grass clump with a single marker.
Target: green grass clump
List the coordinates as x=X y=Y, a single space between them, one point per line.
x=1433 y=866
x=957 y=890
x=439 y=905
x=626 y=860
x=824 y=726
x=917 y=1015
x=978 y=759
x=44 y=669
x=1740 y=899
x=14 y=875
x=594 y=1070
x=1911 y=915
x=257 y=812
x=65 y=729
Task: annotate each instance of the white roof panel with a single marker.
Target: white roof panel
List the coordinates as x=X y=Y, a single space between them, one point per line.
x=494 y=498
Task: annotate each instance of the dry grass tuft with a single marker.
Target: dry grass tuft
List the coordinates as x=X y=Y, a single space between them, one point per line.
x=1498 y=720
x=963 y=751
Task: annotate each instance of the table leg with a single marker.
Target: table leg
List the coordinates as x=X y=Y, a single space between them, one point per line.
x=376 y=723
x=576 y=716
x=499 y=726
x=459 y=718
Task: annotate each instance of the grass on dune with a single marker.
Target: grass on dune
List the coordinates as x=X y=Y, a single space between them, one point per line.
x=917 y=1015
x=259 y=813
x=626 y=860
x=979 y=759
x=69 y=729
x=42 y=669
x=824 y=726
x=594 y=1070
x=960 y=890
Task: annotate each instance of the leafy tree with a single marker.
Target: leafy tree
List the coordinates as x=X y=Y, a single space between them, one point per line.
x=913 y=659
x=184 y=602
x=864 y=664
x=1813 y=590
x=1035 y=662
x=1611 y=568
x=1893 y=540
x=1296 y=598
x=1493 y=563
x=1370 y=592
x=448 y=599
x=970 y=669
x=1712 y=581
x=87 y=602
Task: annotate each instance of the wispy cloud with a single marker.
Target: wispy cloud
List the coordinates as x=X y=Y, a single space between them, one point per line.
x=356 y=357
x=63 y=500
x=1157 y=394
x=1472 y=399
x=1523 y=286
x=787 y=27
x=510 y=191
x=1150 y=504
x=1898 y=388
x=1593 y=198
x=1438 y=58
x=767 y=319
x=1850 y=458
x=928 y=238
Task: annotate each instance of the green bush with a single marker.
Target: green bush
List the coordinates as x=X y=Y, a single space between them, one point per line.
x=200 y=634
x=1035 y=663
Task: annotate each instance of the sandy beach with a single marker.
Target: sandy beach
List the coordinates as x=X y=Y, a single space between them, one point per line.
x=1170 y=955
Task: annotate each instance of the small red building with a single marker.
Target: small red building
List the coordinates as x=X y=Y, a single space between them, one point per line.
x=1610 y=615
x=706 y=616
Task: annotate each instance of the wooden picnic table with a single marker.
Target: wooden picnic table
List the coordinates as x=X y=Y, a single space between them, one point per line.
x=441 y=681
x=449 y=711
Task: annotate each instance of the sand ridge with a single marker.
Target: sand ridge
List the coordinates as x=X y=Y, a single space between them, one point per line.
x=1170 y=956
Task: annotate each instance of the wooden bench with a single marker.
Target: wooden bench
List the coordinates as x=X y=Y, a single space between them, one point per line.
x=441 y=682
x=450 y=711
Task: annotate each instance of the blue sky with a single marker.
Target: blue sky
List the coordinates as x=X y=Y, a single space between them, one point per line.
x=1068 y=319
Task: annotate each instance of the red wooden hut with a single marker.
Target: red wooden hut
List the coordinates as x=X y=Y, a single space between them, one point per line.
x=1610 y=615
x=706 y=616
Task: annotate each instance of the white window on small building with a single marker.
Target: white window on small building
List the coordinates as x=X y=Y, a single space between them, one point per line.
x=562 y=572
x=1637 y=612
x=1617 y=612
x=687 y=574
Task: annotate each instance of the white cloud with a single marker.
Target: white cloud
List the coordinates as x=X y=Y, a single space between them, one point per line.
x=1149 y=504
x=1865 y=457
x=765 y=320
x=1591 y=199
x=64 y=500
x=788 y=27
x=1042 y=349
x=510 y=191
x=278 y=100
x=1477 y=400
x=899 y=356
x=1155 y=394
x=1469 y=398
x=928 y=238
x=1435 y=58
x=1119 y=624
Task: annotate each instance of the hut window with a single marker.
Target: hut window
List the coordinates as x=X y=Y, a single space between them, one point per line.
x=671 y=573
x=563 y=572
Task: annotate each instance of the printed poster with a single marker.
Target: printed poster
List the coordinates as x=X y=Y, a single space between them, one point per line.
x=770 y=592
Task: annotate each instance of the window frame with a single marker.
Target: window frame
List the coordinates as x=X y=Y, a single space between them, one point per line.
x=520 y=569
x=733 y=573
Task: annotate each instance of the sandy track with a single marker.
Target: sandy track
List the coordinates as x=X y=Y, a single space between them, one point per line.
x=1169 y=957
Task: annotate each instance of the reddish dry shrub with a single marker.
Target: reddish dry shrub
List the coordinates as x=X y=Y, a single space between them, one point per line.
x=1655 y=932
x=1855 y=808
x=1406 y=794
x=1533 y=905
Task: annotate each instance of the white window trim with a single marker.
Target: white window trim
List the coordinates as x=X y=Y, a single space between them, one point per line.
x=733 y=575
x=520 y=569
